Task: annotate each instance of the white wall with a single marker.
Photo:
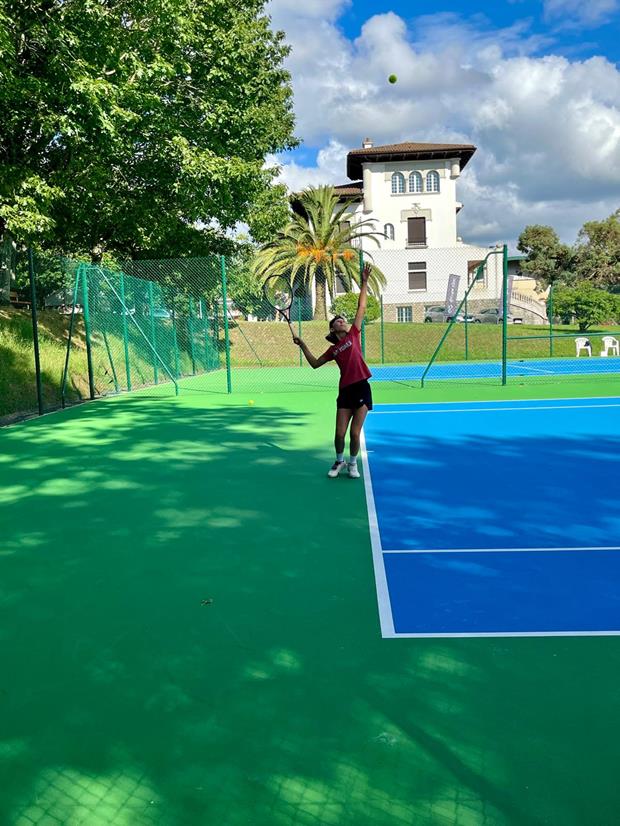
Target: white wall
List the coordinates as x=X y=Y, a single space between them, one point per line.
x=439 y=208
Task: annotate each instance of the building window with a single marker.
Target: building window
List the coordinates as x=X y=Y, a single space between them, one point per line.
x=415 y=182
x=432 y=182
x=472 y=269
x=398 y=183
x=416 y=232
x=404 y=315
x=417 y=275
x=388 y=231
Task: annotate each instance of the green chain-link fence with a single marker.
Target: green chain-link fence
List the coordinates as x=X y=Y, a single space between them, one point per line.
x=202 y=325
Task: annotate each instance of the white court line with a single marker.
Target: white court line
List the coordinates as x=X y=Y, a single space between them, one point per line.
x=518 y=365
x=383 y=595
x=495 y=409
x=404 y=635
x=503 y=401
x=499 y=550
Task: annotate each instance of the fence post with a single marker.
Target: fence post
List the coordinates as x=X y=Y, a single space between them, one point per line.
x=190 y=327
x=226 y=333
x=299 y=327
x=466 y=332
x=153 y=338
x=550 y=312
x=205 y=330
x=89 y=352
x=504 y=312
x=382 y=335
x=124 y=311
x=35 y=330
x=174 y=338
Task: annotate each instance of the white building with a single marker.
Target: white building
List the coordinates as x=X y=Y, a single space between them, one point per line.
x=409 y=191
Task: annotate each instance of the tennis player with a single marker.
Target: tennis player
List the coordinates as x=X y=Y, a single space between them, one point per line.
x=354 y=394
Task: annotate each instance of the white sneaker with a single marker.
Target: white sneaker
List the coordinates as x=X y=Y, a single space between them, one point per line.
x=353 y=471
x=335 y=469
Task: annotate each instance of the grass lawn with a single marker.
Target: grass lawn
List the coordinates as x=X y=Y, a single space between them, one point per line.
x=269 y=342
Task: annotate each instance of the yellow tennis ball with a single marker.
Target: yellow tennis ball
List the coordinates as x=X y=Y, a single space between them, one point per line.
x=251 y=402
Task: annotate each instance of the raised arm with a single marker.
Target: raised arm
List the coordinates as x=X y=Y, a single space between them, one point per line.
x=313 y=361
x=361 y=301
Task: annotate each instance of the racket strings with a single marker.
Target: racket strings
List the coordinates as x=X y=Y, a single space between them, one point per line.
x=278 y=292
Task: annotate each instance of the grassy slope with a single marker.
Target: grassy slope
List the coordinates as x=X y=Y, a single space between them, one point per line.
x=17 y=374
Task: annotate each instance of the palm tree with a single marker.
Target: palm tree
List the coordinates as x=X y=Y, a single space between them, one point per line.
x=319 y=246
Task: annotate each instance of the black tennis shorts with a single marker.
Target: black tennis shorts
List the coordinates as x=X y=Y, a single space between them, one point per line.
x=355 y=395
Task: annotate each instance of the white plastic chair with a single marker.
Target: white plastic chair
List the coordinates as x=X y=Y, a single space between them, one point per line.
x=583 y=343
x=610 y=345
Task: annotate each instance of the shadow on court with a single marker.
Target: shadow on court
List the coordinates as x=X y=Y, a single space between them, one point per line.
x=126 y=700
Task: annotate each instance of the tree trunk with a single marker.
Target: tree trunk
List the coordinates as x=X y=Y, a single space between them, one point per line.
x=320 y=307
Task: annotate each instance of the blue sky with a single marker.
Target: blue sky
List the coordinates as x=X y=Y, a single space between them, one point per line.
x=600 y=35
x=534 y=84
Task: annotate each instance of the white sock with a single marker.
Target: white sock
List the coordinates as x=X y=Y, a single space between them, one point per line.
x=340 y=457
x=352 y=460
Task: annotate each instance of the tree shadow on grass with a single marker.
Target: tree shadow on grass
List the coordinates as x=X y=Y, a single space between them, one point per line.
x=190 y=635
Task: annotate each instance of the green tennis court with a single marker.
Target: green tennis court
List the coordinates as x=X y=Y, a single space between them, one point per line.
x=190 y=635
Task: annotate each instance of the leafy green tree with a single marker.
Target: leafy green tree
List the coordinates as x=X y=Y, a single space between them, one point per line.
x=318 y=246
x=245 y=288
x=548 y=259
x=346 y=305
x=139 y=128
x=597 y=252
x=587 y=304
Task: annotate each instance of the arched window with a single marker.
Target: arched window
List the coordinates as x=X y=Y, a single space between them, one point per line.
x=415 y=182
x=398 y=183
x=432 y=182
x=388 y=231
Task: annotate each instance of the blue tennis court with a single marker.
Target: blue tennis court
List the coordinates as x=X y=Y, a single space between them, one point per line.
x=496 y=518
x=493 y=369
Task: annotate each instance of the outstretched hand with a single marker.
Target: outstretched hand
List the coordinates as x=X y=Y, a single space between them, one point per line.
x=366 y=273
x=297 y=341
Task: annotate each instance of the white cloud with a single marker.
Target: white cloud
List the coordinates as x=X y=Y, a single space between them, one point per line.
x=547 y=128
x=330 y=168
x=580 y=13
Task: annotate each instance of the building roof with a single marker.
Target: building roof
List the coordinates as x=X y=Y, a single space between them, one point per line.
x=353 y=190
x=407 y=152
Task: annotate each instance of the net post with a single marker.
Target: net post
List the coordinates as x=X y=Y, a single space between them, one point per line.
x=124 y=311
x=89 y=352
x=225 y=314
x=153 y=337
x=504 y=313
x=35 y=330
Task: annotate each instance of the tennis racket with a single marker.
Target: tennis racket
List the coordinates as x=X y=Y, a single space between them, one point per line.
x=279 y=293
